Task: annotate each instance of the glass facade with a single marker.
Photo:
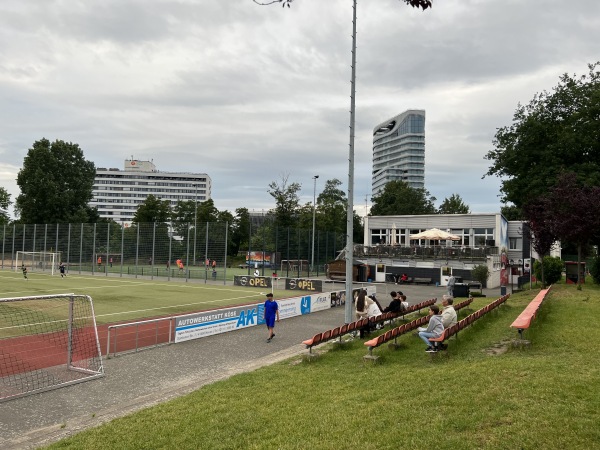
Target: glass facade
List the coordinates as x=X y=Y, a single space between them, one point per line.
x=399 y=151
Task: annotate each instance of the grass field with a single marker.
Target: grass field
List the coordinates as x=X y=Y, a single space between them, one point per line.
x=119 y=299
x=546 y=396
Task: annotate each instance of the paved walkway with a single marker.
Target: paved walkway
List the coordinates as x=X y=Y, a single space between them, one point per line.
x=136 y=381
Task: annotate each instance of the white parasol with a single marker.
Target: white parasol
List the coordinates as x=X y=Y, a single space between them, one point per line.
x=435 y=234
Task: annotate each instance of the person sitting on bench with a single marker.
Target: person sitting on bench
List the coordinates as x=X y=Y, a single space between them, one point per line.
x=396 y=305
x=435 y=328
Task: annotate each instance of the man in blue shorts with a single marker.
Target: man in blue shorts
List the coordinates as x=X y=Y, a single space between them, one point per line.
x=271 y=313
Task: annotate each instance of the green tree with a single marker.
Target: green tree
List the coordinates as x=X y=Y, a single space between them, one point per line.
x=56 y=184
x=398 y=198
x=182 y=216
x=153 y=210
x=555 y=130
x=4 y=204
x=511 y=212
x=331 y=207
x=286 y=201
x=552 y=267
x=454 y=205
x=481 y=273
x=240 y=231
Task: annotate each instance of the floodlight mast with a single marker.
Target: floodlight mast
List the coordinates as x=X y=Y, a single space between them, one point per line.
x=350 y=207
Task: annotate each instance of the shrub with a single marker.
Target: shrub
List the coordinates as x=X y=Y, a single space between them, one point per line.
x=553 y=268
x=481 y=273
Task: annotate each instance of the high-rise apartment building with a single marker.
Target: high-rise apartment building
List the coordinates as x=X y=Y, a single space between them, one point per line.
x=118 y=193
x=399 y=150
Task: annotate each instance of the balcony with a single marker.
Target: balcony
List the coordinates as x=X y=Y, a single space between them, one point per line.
x=424 y=253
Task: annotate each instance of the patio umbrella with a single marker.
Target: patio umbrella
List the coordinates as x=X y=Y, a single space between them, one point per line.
x=435 y=234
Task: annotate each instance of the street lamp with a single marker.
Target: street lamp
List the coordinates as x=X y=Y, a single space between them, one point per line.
x=312 y=260
x=195 y=221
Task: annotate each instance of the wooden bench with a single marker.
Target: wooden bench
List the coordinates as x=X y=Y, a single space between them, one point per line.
x=423 y=280
x=454 y=329
x=403 y=329
x=523 y=321
x=340 y=331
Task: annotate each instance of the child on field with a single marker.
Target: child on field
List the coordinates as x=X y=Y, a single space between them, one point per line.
x=24 y=269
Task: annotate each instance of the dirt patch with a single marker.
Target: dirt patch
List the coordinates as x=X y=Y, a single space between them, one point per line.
x=498 y=348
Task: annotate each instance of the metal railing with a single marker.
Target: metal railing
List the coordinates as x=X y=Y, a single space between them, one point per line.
x=135 y=345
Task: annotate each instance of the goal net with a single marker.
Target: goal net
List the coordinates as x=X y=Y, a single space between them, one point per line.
x=47 y=342
x=37 y=261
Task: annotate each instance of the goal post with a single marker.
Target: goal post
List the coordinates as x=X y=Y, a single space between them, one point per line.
x=47 y=342
x=37 y=261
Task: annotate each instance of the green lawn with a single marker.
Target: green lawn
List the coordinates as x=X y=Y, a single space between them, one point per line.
x=118 y=299
x=546 y=396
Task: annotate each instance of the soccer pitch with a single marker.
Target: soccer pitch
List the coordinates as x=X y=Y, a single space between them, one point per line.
x=119 y=299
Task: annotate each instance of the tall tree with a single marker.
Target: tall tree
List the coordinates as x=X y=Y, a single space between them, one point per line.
x=454 y=205
x=286 y=201
x=4 y=204
x=182 y=215
x=153 y=210
x=511 y=212
x=56 y=184
x=241 y=230
x=540 y=227
x=556 y=130
x=398 y=198
x=575 y=212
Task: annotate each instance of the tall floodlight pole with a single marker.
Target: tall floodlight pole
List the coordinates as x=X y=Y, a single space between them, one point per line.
x=350 y=211
x=195 y=221
x=312 y=261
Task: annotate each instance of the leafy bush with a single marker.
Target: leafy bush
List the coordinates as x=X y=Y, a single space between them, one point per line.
x=481 y=273
x=553 y=268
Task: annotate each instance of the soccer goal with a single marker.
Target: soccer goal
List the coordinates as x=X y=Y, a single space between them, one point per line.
x=47 y=342
x=37 y=261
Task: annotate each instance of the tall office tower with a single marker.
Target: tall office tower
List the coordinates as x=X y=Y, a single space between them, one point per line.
x=118 y=193
x=399 y=150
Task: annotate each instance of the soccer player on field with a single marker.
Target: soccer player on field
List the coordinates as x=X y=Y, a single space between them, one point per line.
x=61 y=267
x=24 y=269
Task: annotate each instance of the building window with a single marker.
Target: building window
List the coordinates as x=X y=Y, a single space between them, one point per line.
x=514 y=243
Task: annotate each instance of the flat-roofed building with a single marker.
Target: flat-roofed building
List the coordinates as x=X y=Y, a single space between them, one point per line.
x=119 y=193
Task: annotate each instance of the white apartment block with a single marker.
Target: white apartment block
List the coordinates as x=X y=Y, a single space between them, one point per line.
x=118 y=193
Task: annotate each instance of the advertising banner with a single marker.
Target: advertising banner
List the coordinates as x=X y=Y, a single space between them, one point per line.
x=198 y=325
x=194 y=326
x=301 y=284
x=250 y=281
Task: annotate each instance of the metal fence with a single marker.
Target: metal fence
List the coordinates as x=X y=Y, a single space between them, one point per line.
x=205 y=251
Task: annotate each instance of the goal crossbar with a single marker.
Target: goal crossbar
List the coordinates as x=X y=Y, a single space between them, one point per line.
x=37 y=261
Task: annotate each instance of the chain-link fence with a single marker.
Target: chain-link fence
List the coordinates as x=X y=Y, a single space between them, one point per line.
x=210 y=250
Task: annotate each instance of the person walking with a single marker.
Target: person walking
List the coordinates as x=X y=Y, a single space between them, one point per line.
x=24 y=269
x=450 y=287
x=271 y=314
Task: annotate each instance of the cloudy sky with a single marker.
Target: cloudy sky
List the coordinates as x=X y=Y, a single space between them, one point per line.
x=249 y=94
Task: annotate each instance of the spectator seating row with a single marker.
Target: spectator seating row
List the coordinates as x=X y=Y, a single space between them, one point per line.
x=340 y=331
x=523 y=321
x=404 y=329
x=454 y=329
